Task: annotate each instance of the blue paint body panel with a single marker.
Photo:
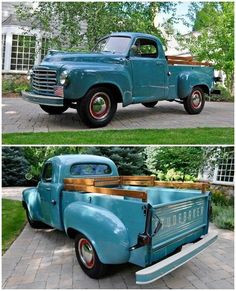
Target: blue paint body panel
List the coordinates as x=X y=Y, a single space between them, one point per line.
x=138 y=79
x=113 y=223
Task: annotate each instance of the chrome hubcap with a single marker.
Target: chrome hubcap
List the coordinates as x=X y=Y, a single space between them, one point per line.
x=100 y=105
x=196 y=99
x=86 y=253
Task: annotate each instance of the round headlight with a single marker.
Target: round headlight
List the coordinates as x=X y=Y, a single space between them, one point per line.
x=63 y=78
x=29 y=74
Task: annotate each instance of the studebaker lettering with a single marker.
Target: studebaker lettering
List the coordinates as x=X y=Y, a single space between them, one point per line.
x=125 y=68
x=118 y=219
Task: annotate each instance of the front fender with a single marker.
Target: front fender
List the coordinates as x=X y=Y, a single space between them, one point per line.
x=32 y=200
x=188 y=80
x=85 y=77
x=105 y=230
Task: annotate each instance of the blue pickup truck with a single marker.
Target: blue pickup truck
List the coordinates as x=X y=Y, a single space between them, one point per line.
x=118 y=219
x=127 y=68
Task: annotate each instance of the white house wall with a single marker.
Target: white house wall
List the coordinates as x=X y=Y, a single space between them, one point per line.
x=9 y=31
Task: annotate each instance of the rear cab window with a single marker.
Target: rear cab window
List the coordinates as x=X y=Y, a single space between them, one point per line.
x=90 y=169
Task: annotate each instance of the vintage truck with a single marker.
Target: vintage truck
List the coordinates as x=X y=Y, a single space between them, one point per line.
x=118 y=219
x=125 y=68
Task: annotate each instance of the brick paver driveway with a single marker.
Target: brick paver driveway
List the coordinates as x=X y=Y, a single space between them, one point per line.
x=45 y=259
x=21 y=116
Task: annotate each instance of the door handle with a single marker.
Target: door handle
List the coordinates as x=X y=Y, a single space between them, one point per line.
x=54 y=202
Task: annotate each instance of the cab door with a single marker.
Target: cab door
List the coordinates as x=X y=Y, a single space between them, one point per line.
x=148 y=71
x=45 y=192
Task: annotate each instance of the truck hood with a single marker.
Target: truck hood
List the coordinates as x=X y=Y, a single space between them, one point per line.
x=59 y=59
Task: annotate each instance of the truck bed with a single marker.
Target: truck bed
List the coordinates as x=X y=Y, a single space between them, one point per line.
x=182 y=213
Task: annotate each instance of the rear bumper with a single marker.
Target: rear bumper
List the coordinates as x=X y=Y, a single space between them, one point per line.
x=41 y=99
x=164 y=267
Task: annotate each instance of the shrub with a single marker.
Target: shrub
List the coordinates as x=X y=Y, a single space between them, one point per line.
x=218 y=198
x=224 y=96
x=222 y=210
x=14 y=85
x=223 y=216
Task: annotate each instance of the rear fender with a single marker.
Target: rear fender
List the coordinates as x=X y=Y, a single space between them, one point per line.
x=188 y=80
x=31 y=200
x=105 y=230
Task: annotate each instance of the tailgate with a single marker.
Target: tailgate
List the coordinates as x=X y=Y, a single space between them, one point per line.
x=182 y=222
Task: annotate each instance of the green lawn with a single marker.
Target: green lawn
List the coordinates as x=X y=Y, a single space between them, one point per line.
x=136 y=136
x=13 y=221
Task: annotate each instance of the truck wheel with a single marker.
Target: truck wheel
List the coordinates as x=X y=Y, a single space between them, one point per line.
x=88 y=259
x=97 y=107
x=34 y=223
x=194 y=103
x=54 y=109
x=150 y=104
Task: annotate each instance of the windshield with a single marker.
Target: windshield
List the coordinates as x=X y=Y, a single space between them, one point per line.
x=114 y=44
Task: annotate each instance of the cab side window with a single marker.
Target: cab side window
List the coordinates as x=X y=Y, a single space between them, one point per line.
x=146 y=48
x=47 y=173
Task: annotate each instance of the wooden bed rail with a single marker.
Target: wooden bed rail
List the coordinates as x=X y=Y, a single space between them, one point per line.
x=203 y=186
x=179 y=60
x=94 y=185
x=109 y=191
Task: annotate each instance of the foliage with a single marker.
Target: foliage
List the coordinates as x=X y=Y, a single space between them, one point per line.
x=214 y=42
x=62 y=20
x=220 y=199
x=225 y=95
x=222 y=210
x=174 y=163
x=13 y=221
x=14 y=86
x=130 y=137
x=36 y=156
x=129 y=160
x=223 y=216
x=14 y=166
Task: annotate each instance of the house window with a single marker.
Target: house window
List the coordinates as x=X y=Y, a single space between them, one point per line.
x=45 y=47
x=3 y=49
x=225 y=170
x=23 y=52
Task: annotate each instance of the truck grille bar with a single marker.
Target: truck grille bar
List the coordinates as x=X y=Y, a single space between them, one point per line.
x=44 y=80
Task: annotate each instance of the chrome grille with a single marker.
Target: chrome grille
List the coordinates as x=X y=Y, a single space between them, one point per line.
x=44 y=80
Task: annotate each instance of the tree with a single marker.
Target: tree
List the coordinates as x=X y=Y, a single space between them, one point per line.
x=14 y=167
x=36 y=156
x=214 y=42
x=61 y=21
x=129 y=160
x=174 y=163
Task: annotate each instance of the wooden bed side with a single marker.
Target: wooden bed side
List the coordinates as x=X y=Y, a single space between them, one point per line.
x=138 y=180
x=99 y=181
x=203 y=186
x=108 y=191
x=179 y=60
x=93 y=185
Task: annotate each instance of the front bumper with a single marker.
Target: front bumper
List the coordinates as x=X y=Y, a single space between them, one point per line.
x=41 y=99
x=164 y=267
